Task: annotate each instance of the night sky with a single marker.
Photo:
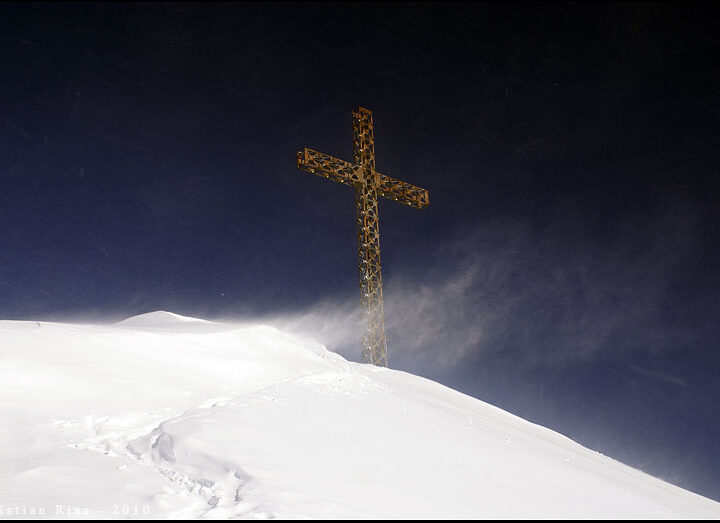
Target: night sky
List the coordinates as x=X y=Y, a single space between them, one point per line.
x=566 y=269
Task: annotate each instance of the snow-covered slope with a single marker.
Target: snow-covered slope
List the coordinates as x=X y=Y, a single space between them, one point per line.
x=167 y=416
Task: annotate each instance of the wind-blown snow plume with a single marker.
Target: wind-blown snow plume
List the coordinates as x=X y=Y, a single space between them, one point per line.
x=545 y=296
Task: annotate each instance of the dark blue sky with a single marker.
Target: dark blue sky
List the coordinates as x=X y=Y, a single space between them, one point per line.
x=566 y=269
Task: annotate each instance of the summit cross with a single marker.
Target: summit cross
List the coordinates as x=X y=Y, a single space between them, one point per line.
x=368 y=184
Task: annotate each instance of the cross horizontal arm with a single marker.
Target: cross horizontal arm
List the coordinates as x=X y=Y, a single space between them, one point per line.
x=347 y=173
x=327 y=166
x=402 y=192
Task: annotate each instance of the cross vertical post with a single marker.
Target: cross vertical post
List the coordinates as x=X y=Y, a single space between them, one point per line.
x=368 y=184
x=374 y=343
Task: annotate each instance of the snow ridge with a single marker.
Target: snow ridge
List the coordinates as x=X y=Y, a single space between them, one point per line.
x=156 y=318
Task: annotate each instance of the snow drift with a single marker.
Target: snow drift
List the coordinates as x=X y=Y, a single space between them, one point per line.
x=165 y=416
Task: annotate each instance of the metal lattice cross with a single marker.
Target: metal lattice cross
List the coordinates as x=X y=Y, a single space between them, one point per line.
x=368 y=184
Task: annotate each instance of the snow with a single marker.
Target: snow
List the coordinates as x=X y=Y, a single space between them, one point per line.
x=159 y=318
x=165 y=416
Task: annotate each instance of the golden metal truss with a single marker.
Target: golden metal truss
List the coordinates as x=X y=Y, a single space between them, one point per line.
x=368 y=184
